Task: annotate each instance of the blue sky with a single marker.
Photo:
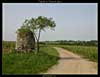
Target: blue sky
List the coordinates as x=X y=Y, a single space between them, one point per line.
x=74 y=21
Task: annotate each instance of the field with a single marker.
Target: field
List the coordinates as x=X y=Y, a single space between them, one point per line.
x=31 y=63
x=27 y=63
x=89 y=52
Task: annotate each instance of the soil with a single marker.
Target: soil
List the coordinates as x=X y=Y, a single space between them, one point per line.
x=70 y=63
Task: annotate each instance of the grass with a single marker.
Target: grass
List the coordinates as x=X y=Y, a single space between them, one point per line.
x=31 y=63
x=8 y=44
x=89 y=52
x=28 y=63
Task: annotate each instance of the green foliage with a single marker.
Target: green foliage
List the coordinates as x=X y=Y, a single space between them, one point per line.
x=40 y=22
x=22 y=32
x=43 y=22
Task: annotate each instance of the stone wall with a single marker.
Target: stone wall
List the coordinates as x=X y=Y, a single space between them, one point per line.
x=27 y=43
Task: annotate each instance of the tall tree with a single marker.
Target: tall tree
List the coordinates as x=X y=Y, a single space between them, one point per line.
x=43 y=23
x=36 y=25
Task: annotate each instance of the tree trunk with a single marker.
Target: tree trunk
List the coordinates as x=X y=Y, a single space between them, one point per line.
x=38 y=41
x=37 y=45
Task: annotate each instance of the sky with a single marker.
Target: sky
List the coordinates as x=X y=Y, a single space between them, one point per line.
x=74 y=21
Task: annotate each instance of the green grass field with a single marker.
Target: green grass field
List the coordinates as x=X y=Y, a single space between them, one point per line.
x=28 y=63
x=89 y=52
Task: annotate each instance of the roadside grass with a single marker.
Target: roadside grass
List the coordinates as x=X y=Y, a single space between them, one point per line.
x=48 y=51
x=28 y=63
x=89 y=52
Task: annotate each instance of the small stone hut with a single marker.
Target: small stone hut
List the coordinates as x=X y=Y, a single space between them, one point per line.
x=25 y=40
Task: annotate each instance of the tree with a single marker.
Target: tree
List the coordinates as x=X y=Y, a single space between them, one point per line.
x=36 y=25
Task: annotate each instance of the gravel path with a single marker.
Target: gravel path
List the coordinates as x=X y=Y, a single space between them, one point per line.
x=70 y=63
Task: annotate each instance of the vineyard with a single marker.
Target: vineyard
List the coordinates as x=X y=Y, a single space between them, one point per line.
x=89 y=52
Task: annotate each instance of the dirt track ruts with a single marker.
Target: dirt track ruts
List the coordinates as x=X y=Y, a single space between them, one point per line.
x=70 y=63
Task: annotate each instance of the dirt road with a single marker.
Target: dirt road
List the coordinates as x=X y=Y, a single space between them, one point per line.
x=70 y=63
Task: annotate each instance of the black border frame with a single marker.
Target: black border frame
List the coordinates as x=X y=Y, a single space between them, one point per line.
x=63 y=1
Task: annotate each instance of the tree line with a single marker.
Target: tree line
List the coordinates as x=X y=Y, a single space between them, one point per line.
x=71 y=42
